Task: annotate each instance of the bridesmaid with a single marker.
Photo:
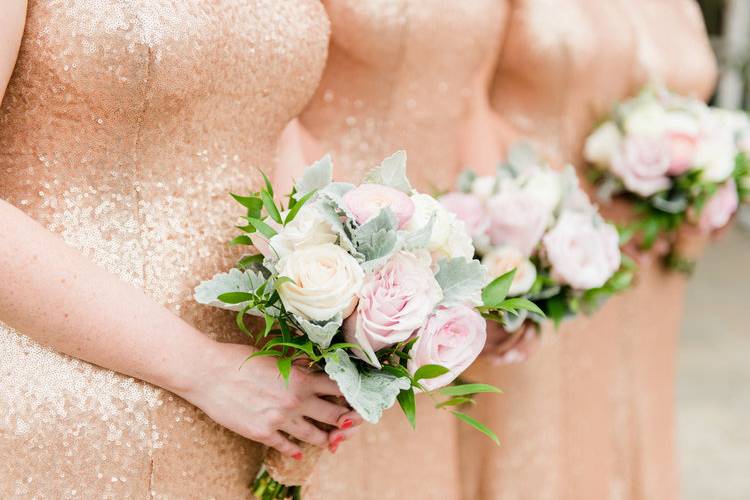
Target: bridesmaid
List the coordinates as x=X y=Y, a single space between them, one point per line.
x=124 y=126
x=400 y=75
x=592 y=412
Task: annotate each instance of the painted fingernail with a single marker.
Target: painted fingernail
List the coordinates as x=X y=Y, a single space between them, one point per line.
x=346 y=423
x=333 y=447
x=337 y=440
x=297 y=456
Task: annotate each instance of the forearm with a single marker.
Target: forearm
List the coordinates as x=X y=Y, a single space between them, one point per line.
x=52 y=293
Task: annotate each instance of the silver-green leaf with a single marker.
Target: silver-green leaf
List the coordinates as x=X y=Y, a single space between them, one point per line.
x=316 y=176
x=320 y=333
x=233 y=281
x=461 y=280
x=369 y=392
x=391 y=172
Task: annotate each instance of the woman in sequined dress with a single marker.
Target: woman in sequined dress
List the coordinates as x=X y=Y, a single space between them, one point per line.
x=122 y=129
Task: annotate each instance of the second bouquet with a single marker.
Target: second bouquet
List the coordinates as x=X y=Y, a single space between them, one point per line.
x=376 y=284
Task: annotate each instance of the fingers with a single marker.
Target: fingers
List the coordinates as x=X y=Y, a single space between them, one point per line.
x=349 y=419
x=324 y=411
x=335 y=438
x=321 y=384
x=305 y=431
x=283 y=445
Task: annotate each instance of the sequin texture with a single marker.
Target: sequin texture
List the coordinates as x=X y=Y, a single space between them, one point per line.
x=124 y=127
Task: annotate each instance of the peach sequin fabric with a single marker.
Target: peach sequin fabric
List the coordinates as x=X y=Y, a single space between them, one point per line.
x=124 y=127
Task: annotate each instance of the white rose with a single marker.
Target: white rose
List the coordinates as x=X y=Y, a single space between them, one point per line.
x=583 y=251
x=308 y=228
x=502 y=259
x=483 y=187
x=602 y=144
x=546 y=185
x=646 y=119
x=325 y=281
x=449 y=237
x=715 y=156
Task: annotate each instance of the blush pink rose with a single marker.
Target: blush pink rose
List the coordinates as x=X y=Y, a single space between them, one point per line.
x=469 y=209
x=583 y=252
x=720 y=207
x=393 y=302
x=452 y=337
x=642 y=162
x=367 y=200
x=682 y=147
x=518 y=219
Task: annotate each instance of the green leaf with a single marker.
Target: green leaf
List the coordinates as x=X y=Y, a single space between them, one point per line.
x=239 y=319
x=285 y=368
x=516 y=303
x=270 y=320
x=297 y=206
x=269 y=186
x=261 y=226
x=241 y=240
x=235 y=297
x=477 y=425
x=264 y=352
x=316 y=176
x=408 y=404
x=252 y=203
x=248 y=260
x=430 y=371
x=466 y=389
x=494 y=293
x=391 y=172
x=270 y=206
x=459 y=400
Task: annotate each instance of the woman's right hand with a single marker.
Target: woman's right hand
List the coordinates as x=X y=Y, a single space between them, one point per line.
x=251 y=398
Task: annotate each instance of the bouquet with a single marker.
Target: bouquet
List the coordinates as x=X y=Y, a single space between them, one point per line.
x=680 y=160
x=538 y=222
x=375 y=284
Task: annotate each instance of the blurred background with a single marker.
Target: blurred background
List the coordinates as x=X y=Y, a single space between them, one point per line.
x=713 y=386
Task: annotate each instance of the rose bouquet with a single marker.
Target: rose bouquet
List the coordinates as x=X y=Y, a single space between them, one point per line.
x=680 y=160
x=375 y=284
x=536 y=223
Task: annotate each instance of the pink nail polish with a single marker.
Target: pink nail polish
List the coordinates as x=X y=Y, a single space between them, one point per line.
x=346 y=423
x=333 y=447
x=297 y=456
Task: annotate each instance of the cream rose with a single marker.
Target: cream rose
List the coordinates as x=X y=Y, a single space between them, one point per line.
x=449 y=236
x=484 y=186
x=715 y=154
x=647 y=119
x=602 y=144
x=308 y=228
x=325 y=281
x=583 y=252
x=682 y=135
x=547 y=185
x=393 y=302
x=503 y=259
x=453 y=338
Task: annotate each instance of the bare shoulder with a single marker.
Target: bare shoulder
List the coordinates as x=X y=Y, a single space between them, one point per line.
x=12 y=21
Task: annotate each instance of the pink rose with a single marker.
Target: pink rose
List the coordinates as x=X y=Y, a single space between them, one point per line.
x=720 y=207
x=367 y=200
x=393 y=303
x=469 y=209
x=682 y=147
x=452 y=337
x=583 y=252
x=642 y=163
x=518 y=219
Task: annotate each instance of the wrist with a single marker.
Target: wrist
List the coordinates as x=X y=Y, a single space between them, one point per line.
x=188 y=367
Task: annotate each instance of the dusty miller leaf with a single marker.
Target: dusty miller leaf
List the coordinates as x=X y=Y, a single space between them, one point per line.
x=369 y=392
x=419 y=238
x=320 y=333
x=234 y=281
x=316 y=176
x=391 y=172
x=461 y=280
x=376 y=239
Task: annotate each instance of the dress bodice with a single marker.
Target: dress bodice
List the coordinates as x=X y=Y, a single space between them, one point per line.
x=401 y=75
x=563 y=66
x=124 y=127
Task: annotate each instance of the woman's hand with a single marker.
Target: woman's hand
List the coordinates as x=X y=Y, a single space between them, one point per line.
x=504 y=348
x=251 y=398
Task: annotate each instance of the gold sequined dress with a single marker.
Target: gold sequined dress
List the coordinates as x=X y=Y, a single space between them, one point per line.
x=124 y=127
